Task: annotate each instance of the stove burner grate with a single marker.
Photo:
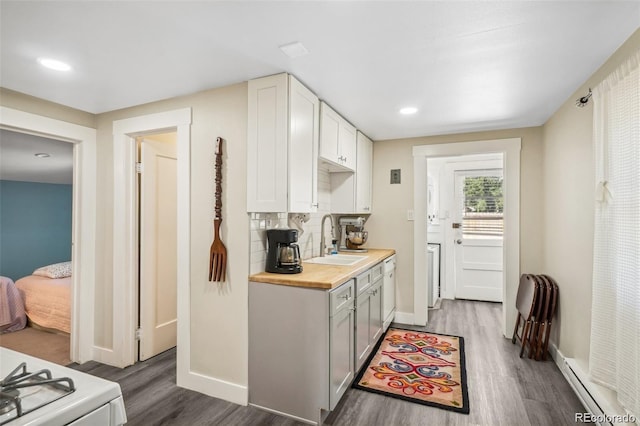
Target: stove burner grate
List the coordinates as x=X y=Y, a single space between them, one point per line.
x=19 y=380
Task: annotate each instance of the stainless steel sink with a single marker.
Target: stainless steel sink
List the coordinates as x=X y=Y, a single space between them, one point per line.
x=337 y=259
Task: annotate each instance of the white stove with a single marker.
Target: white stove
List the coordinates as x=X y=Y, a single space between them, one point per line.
x=38 y=392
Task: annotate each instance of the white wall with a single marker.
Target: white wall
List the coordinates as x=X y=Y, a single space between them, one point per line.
x=218 y=313
x=569 y=182
x=388 y=226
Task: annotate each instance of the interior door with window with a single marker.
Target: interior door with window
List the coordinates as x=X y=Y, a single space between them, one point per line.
x=478 y=223
x=158 y=242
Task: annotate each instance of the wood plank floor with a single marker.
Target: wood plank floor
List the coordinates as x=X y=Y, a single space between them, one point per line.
x=503 y=389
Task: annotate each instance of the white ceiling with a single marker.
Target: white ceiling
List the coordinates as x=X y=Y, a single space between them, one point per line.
x=466 y=65
x=18 y=160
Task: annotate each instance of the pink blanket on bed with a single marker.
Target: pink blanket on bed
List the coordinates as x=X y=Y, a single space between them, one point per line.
x=47 y=301
x=12 y=315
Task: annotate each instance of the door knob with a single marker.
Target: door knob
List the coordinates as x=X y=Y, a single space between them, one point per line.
x=458 y=241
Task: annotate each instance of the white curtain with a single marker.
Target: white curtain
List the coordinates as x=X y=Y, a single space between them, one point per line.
x=615 y=325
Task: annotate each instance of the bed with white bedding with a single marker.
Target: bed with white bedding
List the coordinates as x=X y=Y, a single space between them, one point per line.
x=47 y=296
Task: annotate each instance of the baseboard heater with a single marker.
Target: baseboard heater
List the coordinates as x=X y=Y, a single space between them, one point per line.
x=573 y=375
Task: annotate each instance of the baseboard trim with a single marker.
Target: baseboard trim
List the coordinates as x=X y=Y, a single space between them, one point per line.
x=105 y=356
x=213 y=387
x=404 y=318
x=280 y=413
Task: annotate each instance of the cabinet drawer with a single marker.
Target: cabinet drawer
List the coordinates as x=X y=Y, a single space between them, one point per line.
x=341 y=297
x=377 y=271
x=363 y=281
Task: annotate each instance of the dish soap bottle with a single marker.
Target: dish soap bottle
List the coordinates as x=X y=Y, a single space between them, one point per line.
x=334 y=246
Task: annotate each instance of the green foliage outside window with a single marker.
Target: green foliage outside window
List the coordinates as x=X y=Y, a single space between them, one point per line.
x=483 y=194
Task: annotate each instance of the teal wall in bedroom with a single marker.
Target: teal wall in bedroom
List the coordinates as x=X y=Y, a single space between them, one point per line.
x=35 y=226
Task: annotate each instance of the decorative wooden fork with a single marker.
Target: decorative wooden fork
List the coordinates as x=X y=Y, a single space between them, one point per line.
x=218 y=252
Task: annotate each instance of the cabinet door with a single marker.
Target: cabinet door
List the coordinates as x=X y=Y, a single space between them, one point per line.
x=304 y=115
x=341 y=342
x=267 y=144
x=329 y=133
x=376 y=318
x=363 y=327
x=364 y=170
x=347 y=145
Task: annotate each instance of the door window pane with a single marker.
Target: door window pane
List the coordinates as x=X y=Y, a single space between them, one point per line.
x=483 y=206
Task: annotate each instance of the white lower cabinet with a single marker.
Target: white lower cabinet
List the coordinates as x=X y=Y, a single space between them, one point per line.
x=301 y=343
x=306 y=344
x=368 y=313
x=341 y=337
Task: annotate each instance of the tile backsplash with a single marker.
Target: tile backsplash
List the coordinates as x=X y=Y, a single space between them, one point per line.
x=309 y=241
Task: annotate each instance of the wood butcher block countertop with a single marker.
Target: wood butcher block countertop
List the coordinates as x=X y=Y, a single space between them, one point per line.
x=315 y=275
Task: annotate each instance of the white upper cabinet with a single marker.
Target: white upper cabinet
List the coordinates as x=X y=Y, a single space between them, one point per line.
x=304 y=132
x=351 y=192
x=364 y=174
x=337 y=140
x=282 y=139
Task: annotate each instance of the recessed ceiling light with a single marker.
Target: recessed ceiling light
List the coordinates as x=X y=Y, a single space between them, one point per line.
x=42 y=155
x=408 y=110
x=294 y=50
x=54 y=64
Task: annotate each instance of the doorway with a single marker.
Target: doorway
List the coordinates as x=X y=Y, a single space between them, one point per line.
x=125 y=236
x=36 y=216
x=510 y=149
x=157 y=238
x=84 y=214
x=465 y=206
x=478 y=229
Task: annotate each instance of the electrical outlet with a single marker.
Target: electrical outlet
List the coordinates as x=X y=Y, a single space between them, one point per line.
x=409 y=214
x=395 y=176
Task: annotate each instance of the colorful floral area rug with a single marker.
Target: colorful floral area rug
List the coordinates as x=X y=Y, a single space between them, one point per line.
x=421 y=367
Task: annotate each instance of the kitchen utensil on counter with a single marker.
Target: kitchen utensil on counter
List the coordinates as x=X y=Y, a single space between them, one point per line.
x=218 y=252
x=352 y=233
x=357 y=238
x=283 y=255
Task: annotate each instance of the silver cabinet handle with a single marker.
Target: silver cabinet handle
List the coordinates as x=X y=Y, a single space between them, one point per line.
x=344 y=296
x=315 y=205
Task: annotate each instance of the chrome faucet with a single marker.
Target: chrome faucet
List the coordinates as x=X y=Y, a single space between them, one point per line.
x=323 y=246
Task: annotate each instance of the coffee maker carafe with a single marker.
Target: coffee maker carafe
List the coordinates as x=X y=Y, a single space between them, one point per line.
x=283 y=255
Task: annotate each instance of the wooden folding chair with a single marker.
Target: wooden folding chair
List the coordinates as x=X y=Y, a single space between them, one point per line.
x=526 y=304
x=538 y=316
x=546 y=289
x=553 y=303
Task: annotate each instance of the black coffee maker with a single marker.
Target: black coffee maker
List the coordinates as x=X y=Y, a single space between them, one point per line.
x=283 y=255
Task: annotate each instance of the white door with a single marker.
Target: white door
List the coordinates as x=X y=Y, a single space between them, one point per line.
x=158 y=255
x=478 y=223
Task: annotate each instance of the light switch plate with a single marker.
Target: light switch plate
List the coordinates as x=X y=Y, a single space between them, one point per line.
x=409 y=214
x=395 y=176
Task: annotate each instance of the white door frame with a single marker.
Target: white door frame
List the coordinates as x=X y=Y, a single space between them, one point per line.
x=125 y=263
x=511 y=247
x=83 y=232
